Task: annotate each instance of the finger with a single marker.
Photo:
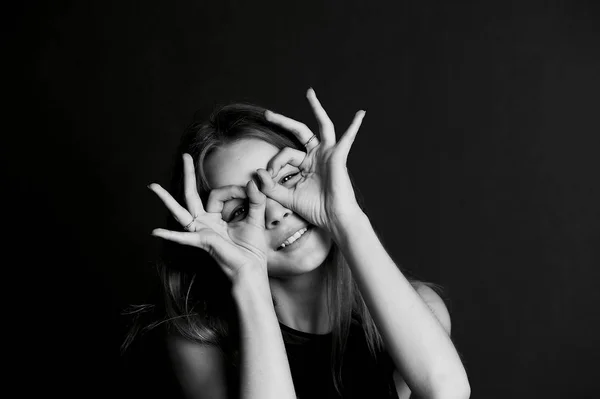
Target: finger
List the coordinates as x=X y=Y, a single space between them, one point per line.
x=284 y=157
x=275 y=191
x=179 y=213
x=205 y=239
x=256 y=204
x=299 y=129
x=192 y=199
x=186 y=238
x=325 y=124
x=343 y=146
x=218 y=197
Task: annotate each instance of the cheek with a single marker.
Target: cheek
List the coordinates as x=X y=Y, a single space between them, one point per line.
x=322 y=242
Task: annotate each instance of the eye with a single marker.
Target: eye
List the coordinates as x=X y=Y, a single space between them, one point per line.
x=287 y=178
x=240 y=209
x=237 y=213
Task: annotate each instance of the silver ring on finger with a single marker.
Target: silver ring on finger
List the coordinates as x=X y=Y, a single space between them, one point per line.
x=314 y=136
x=187 y=226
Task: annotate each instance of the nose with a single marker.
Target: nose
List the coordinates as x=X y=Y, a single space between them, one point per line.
x=275 y=213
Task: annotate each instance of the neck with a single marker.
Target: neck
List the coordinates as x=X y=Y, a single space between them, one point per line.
x=301 y=301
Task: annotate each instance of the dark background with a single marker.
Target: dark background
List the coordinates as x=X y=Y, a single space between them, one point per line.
x=477 y=159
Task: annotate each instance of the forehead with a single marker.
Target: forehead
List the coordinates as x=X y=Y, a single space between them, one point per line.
x=235 y=163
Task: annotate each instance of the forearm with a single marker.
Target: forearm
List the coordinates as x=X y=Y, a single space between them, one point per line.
x=265 y=371
x=419 y=346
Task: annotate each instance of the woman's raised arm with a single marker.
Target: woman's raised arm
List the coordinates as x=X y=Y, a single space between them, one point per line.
x=201 y=369
x=240 y=250
x=418 y=344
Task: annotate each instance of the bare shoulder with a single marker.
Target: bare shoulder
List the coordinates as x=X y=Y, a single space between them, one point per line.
x=184 y=349
x=200 y=368
x=436 y=304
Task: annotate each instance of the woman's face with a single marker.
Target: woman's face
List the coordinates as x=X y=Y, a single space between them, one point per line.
x=235 y=164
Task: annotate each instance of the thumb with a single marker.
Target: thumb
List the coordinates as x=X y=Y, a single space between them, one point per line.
x=256 y=204
x=275 y=191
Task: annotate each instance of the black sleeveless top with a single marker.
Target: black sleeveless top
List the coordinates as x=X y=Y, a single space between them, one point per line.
x=363 y=376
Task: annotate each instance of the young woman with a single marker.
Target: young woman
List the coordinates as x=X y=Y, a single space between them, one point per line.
x=276 y=284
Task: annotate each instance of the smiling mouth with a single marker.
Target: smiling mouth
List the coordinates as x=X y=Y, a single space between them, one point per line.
x=295 y=237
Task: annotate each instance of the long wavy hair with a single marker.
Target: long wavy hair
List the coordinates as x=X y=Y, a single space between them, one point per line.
x=197 y=300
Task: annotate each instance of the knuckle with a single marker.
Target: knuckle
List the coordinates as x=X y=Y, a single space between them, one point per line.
x=327 y=123
x=203 y=238
x=279 y=158
x=240 y=191
x=303 y=126
x=201 y=242
x=210 y=204
x=215 y=192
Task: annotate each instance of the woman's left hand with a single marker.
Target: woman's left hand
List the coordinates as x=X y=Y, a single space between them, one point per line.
x=322 y=192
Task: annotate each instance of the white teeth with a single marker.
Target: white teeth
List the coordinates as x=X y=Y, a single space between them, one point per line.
x=293 y=238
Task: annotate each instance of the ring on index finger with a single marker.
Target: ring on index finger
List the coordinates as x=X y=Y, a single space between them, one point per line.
x=187 y=226
x=314 y=136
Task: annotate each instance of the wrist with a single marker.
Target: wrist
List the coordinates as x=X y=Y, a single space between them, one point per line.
x=251 y=285
x=349 y=221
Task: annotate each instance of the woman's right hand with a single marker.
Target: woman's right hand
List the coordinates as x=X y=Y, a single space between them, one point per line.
x=237 y=247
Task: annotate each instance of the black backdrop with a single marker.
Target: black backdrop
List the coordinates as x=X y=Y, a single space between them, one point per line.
x=477 y=160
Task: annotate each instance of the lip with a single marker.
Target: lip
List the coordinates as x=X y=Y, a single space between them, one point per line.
x=298 y=241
